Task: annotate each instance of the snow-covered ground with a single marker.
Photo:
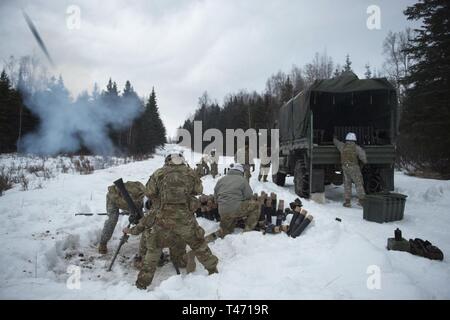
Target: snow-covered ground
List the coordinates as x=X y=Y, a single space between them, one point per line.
x=41 y=240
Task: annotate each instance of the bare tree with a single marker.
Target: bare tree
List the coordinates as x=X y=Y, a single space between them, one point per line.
x=397 y=61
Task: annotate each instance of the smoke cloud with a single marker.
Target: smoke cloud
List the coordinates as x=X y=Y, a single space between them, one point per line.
x=66 y=125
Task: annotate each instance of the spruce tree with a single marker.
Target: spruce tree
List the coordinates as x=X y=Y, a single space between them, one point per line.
x=152 y=132
x=348 y=64
x=425 y=122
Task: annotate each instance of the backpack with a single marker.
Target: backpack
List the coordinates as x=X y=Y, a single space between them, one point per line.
x=174 y=186
x=349 y=156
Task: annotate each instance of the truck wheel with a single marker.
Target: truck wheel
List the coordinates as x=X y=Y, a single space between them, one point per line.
x=301 y=179
x=373 y=181
x=279 y=179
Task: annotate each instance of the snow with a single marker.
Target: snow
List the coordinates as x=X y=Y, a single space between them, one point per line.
x=41 y=238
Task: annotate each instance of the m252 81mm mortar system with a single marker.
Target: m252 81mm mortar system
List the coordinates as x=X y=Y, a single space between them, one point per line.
x=333 y=107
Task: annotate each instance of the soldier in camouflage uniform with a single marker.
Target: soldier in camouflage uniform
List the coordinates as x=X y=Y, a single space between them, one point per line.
x=177 y=247
x=235 y=201
x=350 y=153
x=114 y=202
x=214 y=163
x=174 y=186
x=264 y=168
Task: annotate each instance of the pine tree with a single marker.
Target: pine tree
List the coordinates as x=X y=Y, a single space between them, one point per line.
x=348 y=64
x=368 y=73
x=152 y=132
x=425 y=122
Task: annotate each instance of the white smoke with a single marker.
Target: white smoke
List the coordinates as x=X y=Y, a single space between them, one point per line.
x=66 y=125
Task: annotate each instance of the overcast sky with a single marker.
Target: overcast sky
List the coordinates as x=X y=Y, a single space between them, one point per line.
x=183 y=48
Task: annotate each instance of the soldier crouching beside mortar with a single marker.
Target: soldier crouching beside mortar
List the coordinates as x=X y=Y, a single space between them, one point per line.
x=235 y=201
x=174 y=186
x=177 y=248
x=114 y=202
x=350 y=153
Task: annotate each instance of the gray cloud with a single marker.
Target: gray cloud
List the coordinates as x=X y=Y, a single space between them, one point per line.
x=185 y=47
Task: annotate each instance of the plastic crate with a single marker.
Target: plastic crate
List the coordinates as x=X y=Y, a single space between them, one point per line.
x=384 y=207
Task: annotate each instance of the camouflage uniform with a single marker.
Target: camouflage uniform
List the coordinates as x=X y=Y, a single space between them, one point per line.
x=214 y=163
x=350 y=153
x=264 y=168
x=115 y=201
x=176 y=245
x=174 y=185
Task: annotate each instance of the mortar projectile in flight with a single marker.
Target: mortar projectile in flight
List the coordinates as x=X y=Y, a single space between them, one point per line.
x=37 y=37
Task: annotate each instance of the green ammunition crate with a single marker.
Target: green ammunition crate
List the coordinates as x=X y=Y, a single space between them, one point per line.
x=384 y=207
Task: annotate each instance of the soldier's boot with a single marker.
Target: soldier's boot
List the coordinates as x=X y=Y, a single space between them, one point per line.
x=212 y=271
x=137 y=262
x=347 y=203
x=265 y=178
x=102 y=248
x=259 y=177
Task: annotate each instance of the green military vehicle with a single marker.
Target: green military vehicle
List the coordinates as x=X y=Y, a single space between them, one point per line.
x=333 y=107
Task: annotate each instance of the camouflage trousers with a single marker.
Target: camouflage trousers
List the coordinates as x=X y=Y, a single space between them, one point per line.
x=353 y=174
x=110 y=223
x=177 y=249
x=214 y=169
x=249 y=210
x=178 y=226
x=263 y=172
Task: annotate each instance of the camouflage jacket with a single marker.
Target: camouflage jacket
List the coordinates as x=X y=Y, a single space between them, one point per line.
x=134 y=188
x=173 y=184
x=350 y=152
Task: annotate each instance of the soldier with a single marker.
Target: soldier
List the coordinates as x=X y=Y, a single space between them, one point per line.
x=214 y=162
x=235 y=201
x=114 y=202
x=174 y=185
x=264 y=165
x=350 y=153
x=177 y=248
x=245 y=157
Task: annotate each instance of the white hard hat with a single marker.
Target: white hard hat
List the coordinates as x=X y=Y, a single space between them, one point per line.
x=350 y=136
x=237 y=166
x=175 y=155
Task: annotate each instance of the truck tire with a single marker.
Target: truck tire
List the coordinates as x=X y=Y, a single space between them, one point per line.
x=279 y=179
x=373 y=181
x=301 y=179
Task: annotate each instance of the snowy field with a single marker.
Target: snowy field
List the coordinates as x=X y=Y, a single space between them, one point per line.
x=42 y=239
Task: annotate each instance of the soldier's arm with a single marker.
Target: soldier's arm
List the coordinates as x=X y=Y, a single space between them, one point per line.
x=361 y=154
x=339 y=145
x=151 y=188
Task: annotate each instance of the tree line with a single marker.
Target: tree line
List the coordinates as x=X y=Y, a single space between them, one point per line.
x=417 y=63
x=25 y=78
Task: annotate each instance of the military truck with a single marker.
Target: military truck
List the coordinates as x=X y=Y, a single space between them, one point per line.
x=334 y=107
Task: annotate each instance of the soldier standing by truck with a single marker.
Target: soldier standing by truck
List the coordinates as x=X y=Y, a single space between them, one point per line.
x=264 y=167
x=350 y=153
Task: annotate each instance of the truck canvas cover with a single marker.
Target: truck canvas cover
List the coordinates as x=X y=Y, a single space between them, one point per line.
x=341 y=95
